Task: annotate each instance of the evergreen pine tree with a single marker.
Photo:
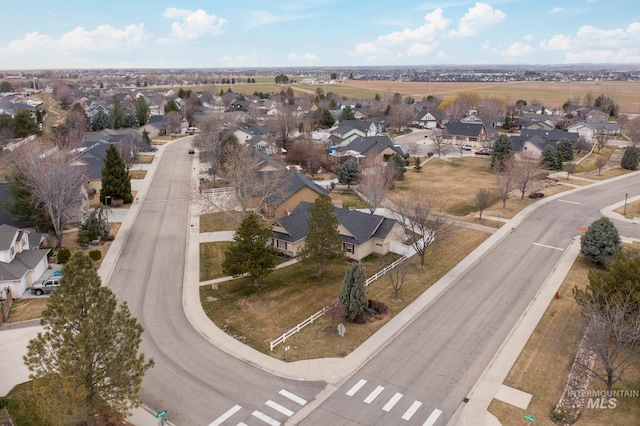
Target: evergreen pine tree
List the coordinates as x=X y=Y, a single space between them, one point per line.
x=565 y=147
x=600 y=241
x=502 y=152
x=347 y=114
x=100 y=121
x=323 y=242
x=87 y=355
x=142 y=111
x=348 y=173
x=117 y=114
x=20 y=205
x=417 y=165
x=116 y=182
x=400 y=165
x=249 y=253
x=550 y=159
x=630 y=158
x=353 y=295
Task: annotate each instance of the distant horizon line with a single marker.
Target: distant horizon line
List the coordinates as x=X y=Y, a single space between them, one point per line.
x=553 y=66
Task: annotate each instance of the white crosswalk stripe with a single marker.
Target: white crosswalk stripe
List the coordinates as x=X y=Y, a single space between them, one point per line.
x=411 y=410
x=356 y=387
x=392 y=402
x=280 y=408
x=294 y=398
x=373 y=395
x=225 y=416
x=432 y=418
x=262 y=416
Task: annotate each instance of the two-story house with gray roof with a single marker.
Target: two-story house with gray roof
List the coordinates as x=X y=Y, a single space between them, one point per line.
x=362 y=233
x=22 y=261
x=362 y=147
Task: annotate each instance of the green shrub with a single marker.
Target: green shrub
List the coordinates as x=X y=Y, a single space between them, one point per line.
x=63 y=255
x=95 y=255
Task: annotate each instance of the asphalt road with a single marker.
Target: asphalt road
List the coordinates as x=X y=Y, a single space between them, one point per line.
x=195 y=381
x=434 y=363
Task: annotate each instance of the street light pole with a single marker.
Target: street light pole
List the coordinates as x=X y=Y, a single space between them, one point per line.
x=625 y=205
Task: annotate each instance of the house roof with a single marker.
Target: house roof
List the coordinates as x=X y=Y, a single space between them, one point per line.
x=365 y=144
x=346 y=126
x=23 y=262
x=549 y=135
x=464 y=129
x=362 y=226
x=8 y=235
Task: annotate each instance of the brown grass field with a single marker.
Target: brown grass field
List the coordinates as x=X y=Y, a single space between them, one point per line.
x=543 y=365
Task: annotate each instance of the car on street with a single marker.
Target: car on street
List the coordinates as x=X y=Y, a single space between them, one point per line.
x=192 y=151
x=46 y=286
x=484 y=151
x=466 y=147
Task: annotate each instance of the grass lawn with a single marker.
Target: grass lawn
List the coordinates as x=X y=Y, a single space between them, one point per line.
x=137 y=174
x=145 y=159
x=27 y=309
x=543 y=365
x=633 y=210
x=218 y=221
x=348 y=199
x=291 y=294
x=211 y=257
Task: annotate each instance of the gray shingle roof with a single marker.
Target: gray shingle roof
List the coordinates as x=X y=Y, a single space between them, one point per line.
x=363 y=226
x=364 y=144
x=464 y=129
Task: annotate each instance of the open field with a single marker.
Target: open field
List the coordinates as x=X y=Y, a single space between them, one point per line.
x=552 y=94
x=543 y=365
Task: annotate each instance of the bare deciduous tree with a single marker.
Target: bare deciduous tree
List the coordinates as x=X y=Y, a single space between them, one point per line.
x=173 y=121
x=570 y=168
x=376 y=178
x=633 y=130
x=63 y=93
x=506 y=180
x=602 y=138
x=527 y=170
x=423 y=224
x=284 y=126
x=438 y=144
x=401 y=115
x=129 y=150
x=55 y=184
x=601 y=161
x=483 y=200
x=491 y=108
x=191 y=105
x=397 y=277
x=613 y=335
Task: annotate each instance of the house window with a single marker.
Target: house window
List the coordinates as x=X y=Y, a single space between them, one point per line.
x=282 y=245
x=348 y=248
x=12 y=250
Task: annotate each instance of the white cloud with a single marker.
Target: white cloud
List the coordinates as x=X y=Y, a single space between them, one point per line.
x=191 y=25
x=557 y=10
x=528 y=37
x=103 y=38
x=241 y=60
x=613 y=45
x=486 y=45
x=308 y=57
x=519 y=49
x=408 y=41
x=480 y=16
x=261 y=18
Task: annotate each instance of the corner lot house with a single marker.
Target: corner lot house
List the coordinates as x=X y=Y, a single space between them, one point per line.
x=22 y=262
x=362 y=233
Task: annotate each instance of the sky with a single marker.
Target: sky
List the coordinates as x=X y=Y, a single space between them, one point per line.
x=68 y=34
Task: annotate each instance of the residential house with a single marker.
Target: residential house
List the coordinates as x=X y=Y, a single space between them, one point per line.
x=22 y=261
x=362 y=233
x=430 y=118
x=297 y=189
x=363 y=146
x=596 y=116
x=531 y=143
x=477 y=135
x=155 y=126
x=350 y=128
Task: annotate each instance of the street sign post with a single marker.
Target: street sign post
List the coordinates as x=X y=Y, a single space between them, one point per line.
x=160 y=415
x=341 y=334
